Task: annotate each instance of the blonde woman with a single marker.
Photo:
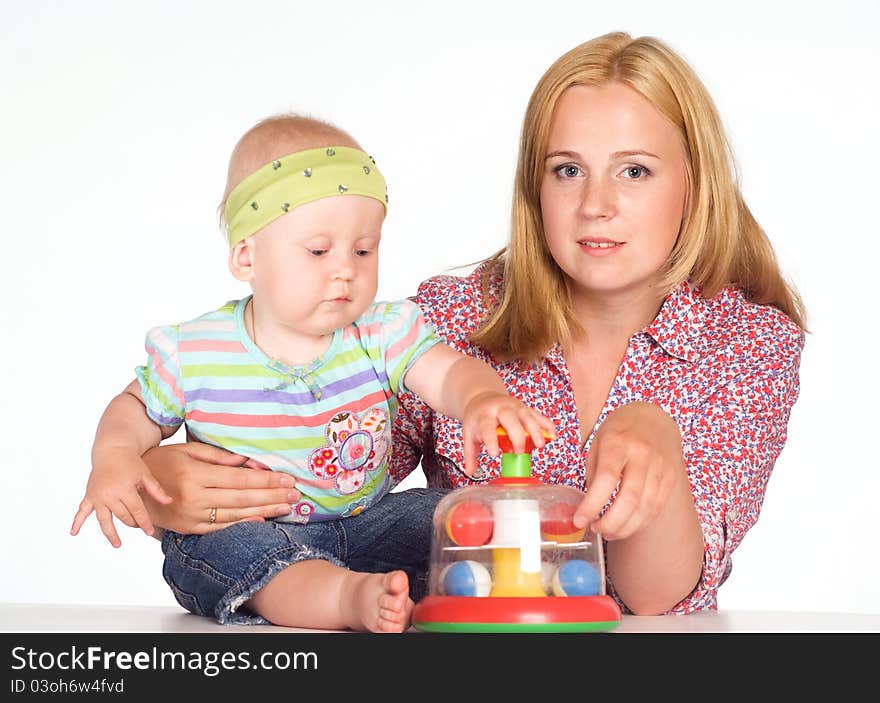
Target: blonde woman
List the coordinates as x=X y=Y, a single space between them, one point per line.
x=638 y=304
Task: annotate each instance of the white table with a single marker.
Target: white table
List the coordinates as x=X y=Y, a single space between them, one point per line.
x=91 y=618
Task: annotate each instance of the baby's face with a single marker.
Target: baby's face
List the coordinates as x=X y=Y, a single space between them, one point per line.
x=316 y=268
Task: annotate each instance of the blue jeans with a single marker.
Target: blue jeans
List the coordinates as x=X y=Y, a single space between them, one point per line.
x=215 y=574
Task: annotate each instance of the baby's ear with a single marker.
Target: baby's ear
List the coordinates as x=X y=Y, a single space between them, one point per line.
x=241 y=260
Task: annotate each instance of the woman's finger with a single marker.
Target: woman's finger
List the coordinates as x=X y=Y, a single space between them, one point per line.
x=210 y=454
x=643 y=513
x=604 y=468
x=657 y=488
x=225 y=517
x=618 y=525
x=248 y=497
x=245 y=479
x=625 y=506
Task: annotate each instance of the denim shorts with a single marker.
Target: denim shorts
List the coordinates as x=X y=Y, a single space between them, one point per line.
x=215 y=574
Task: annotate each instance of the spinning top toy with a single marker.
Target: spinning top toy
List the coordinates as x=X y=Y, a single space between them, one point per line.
x=492 y=544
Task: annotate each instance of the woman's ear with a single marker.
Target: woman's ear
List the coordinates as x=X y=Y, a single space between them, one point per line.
x=241 y=260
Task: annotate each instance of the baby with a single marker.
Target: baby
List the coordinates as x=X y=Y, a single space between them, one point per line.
x=301 y=376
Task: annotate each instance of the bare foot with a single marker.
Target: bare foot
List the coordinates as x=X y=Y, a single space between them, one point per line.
x=377 y=602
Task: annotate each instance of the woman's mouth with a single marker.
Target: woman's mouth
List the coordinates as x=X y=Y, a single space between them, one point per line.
x=599 y=246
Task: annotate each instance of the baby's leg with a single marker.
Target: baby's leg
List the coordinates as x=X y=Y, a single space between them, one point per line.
x=320 y=595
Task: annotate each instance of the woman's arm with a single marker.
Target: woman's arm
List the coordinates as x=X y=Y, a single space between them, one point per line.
x=730 y=450
x=655 y=546
x=660 y=565
x=702 y=487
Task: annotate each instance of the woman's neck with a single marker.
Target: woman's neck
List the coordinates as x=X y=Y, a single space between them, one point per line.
x=612 y=318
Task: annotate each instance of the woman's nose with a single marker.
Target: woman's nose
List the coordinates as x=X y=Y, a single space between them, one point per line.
x=598 y=199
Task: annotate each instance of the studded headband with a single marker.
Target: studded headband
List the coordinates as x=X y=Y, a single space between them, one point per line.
x=296 y=179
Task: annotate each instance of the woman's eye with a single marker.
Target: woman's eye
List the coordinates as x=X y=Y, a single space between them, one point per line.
x=634 y=173
x=568 y=171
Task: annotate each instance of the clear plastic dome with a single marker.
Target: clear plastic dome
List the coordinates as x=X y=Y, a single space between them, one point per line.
x=506 y=556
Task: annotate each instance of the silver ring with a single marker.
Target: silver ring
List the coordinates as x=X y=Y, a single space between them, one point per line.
x=212 y=518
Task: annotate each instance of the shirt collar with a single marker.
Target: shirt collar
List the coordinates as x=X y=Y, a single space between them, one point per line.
x=676 y=329
x=679 y=323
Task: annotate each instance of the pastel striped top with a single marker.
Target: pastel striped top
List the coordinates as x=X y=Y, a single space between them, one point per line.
x=327 y=423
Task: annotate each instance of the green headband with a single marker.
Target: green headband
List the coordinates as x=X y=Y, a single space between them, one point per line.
x=297 y=179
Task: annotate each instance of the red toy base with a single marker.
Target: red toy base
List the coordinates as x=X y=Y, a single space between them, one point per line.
x=495 y=614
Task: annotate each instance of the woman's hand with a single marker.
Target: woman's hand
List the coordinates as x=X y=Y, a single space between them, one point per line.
x=638 y=446
x=200 y=477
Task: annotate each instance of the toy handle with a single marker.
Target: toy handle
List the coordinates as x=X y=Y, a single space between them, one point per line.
x=507 y=446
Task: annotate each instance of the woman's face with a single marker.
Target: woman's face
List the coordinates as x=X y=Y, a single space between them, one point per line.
x=613 y=189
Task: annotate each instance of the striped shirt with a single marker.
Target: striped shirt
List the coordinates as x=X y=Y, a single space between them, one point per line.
x=327 y=422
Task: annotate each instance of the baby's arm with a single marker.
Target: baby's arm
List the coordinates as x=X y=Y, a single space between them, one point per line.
x=124 y=433
x=470 y=390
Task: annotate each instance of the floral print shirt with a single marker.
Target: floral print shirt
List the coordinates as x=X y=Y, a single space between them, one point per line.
x=725 y=369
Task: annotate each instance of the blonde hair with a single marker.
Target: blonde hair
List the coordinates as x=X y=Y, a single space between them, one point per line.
x=720 y=243
x=274 y=137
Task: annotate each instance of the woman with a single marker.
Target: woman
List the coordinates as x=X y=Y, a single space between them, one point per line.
x=638 y=304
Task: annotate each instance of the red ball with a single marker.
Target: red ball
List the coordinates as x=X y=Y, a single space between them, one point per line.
x=470 y=524
x=557 y=524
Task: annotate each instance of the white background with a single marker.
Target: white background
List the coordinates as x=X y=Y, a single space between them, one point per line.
x=117 y=122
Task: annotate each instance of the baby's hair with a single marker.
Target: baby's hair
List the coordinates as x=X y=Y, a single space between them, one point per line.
x=274 y=137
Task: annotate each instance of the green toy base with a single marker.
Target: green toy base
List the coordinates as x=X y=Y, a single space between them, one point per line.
x=516 y=626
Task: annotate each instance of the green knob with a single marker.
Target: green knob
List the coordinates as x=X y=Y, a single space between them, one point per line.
x=516 y=465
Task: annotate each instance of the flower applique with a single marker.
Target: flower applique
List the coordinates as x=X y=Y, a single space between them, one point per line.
x=356 y=508
x=302 y=511
x=355 y=447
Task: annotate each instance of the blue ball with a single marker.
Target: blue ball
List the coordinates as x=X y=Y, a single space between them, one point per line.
x=576 y=578
x=466 y=578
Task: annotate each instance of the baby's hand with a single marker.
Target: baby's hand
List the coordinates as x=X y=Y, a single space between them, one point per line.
x=486 y=411
x=113 y=490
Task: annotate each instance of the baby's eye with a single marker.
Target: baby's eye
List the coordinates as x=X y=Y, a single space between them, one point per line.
x=567 y=171
x=317 y=252
x=363 y=252
x=635 y=173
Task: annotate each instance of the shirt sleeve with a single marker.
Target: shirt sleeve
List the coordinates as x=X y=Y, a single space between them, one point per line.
x=161 y=388
x=404 y=335
x=730 y=451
